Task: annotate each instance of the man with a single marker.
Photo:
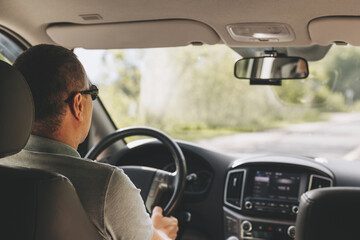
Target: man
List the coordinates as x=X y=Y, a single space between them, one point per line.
x=63 y=110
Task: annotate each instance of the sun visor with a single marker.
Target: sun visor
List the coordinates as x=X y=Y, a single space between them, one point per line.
x=144 y=34
x=339 y=30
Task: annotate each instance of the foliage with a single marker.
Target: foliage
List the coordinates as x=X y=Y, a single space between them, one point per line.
x=122 y=95
x=333 y=84
x=191 y=92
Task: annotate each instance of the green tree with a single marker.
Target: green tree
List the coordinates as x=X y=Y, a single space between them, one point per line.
x=121 y=93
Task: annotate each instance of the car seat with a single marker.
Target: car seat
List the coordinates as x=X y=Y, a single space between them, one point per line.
x=34 y=204
x=329 y=214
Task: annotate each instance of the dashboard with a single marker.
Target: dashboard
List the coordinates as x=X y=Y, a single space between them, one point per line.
x=243 y=196
x=261 y=198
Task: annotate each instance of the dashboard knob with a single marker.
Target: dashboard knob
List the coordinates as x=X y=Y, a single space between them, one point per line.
x=248 y=205
x=246 y=226
x=295 y=209
x=291 y=232
x=232 y=238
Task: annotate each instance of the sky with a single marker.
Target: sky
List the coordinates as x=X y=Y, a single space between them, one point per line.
x=92 y=61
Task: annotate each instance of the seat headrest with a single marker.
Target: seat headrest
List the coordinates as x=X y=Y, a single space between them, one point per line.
x=16 y=110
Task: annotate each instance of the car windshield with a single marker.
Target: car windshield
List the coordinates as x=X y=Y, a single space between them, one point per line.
x=191 y=94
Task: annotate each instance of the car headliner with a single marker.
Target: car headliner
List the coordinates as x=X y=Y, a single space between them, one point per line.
x=162 y=23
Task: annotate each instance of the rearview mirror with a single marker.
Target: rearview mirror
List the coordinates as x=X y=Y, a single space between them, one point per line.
x=271 y=68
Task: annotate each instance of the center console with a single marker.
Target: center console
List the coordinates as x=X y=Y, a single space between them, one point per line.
x=261 y=200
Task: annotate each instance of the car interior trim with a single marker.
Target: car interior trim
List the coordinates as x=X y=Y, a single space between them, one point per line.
x=283 y=159
x=335 y=29
x=131 y=34
x=242 y=187
x=239 y=218
x=16 y=38
x=261 y=32
x=312 y=176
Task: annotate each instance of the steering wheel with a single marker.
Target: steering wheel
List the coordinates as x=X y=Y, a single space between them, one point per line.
x=153 y=182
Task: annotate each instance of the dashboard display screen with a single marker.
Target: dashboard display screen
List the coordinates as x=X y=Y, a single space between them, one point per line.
x=276 y=185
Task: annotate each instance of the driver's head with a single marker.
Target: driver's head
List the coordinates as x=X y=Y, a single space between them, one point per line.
x=55 y=77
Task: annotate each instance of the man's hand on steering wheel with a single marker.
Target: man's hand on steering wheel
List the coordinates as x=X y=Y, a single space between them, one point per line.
x=164 y=227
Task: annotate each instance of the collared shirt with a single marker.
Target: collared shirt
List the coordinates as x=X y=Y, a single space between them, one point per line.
x=47 y=145
x=110 y=199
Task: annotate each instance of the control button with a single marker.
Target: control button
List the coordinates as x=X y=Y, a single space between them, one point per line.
x=246 y=226
x=271 y=204
x=232 y=225
x=248 y=205
x=232 y=238
x=295 y=209
x=291 y=231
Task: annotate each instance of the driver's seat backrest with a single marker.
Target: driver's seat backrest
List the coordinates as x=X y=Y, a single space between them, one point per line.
x=34 y=204
x=329 y=214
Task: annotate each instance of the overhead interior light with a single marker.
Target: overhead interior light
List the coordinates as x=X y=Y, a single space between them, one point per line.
x=261 y=32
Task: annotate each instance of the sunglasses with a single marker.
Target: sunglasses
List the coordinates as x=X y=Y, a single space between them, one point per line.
x=93 y=92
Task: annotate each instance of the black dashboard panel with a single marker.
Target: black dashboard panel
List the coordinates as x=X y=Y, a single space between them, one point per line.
x=154 y=154
x=271 y=183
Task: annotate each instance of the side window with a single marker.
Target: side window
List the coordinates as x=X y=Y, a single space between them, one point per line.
x=9 y=49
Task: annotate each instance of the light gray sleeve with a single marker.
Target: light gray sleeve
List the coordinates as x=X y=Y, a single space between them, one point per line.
x=125 y=216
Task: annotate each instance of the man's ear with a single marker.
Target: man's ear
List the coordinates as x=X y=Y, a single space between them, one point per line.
x=78 y=107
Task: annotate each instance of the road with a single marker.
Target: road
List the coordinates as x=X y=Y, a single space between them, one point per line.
x=339 y=138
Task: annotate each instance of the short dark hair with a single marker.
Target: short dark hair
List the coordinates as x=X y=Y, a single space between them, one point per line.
x=52 y=72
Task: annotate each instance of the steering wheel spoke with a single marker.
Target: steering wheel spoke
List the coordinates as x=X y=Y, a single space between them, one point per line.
x=163 y=182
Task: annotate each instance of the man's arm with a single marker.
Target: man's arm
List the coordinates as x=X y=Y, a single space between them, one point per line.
x=125 y=216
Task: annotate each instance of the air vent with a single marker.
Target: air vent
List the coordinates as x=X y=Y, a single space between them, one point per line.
x=317 y=181
x=234 y=188
x=91 y=17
